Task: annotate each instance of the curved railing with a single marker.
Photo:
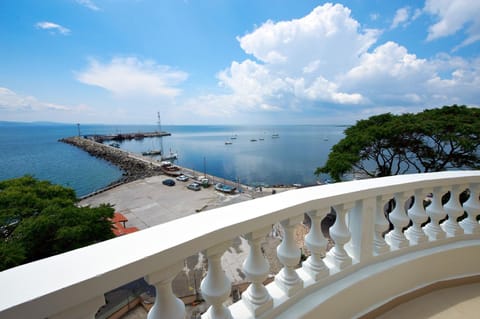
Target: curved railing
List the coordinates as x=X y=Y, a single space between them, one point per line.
x=367 y=266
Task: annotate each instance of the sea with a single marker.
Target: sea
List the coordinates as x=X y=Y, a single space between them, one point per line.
x=251 y=155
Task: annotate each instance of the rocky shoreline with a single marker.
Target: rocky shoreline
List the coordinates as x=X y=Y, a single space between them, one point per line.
x=133 y=167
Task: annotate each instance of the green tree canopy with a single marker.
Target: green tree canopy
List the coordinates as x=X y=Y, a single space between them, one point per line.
x=387 y=144
x=39 y=219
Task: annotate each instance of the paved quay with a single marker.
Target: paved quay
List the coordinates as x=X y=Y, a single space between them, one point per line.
x=147 y=202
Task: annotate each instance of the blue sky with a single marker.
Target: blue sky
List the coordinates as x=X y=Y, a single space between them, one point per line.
x=235 y=62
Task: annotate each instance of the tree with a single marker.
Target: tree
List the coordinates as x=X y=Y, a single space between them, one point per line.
x=39 y=219
x=387 y=144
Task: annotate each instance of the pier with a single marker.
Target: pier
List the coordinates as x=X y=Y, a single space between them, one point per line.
x=125 y=136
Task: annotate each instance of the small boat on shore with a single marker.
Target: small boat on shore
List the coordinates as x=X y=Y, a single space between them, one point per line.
x=169 y=169
x=225 y=188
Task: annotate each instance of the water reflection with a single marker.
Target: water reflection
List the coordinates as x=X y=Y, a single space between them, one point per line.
x=291 y=158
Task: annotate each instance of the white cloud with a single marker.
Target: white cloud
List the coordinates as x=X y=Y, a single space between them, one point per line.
x=326 y=61
x=89 y=4
x=453 y=16
x=52 y=27
x=133 y=77
x=401 y=17
x=299 y=60
x=11 y=101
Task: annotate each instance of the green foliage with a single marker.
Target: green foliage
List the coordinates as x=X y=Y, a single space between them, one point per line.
x=387 y=144
x=39 y=219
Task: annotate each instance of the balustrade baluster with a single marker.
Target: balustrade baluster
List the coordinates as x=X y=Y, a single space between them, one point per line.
x=454 y=210
x=216 y=286
x=317 y=244
x=472 y=206
x=289 y=255
x=256 y=268
x=381 y=226
x=85 y=310
x=337 y=256
x=167 y=305
x=418 y=216
x=398 y=217
x=436 y=212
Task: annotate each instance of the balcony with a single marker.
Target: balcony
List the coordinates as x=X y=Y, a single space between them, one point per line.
x=373 y=261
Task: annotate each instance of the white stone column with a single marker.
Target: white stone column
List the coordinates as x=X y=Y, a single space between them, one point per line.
x=289 y=255
x=418 y=216
x=256 y=268
x=317 y=244
x=167 y=305
x=85 y=310
x=398 y=217
x=381 y=226
x=216 y=286
x=337 y=256
x=454 y=210
x=472 y=206
x=436 y=212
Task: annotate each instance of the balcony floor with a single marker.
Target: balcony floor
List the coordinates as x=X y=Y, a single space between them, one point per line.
x=455 y=302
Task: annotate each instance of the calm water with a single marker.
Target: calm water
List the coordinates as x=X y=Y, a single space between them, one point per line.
x=292 y=158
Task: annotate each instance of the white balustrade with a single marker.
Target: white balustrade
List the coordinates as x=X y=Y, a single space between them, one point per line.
x=436 y=213
x=381 y=226
x=337 y=257
x=454 y=210
x=289 y=255
x=398 y=217
x=317 y=244
x=472 y=206
x=256 y=268
x=418 y=216
x=167 y=305
x=84 y=310
x=216 y=286
x=360 y=257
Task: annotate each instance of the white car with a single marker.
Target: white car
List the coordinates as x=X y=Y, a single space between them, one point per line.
x=182 y=178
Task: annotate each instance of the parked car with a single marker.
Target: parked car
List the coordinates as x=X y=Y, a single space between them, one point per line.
x=169 y=182
x=194 y=186
x=182 y=178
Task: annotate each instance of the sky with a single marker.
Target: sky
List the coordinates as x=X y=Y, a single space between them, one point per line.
x=222 y=62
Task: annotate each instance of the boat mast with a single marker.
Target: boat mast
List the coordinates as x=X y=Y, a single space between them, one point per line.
x=160 y=131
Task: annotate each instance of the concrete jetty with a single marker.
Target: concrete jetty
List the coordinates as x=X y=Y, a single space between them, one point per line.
x=125 y=136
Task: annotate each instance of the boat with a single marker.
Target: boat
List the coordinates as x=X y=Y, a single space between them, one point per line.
x=116 y=145
x=228 y=143
x=152 y=152
x=169 y=169
x=225 y=188
x=275 y=135
x=253 y=140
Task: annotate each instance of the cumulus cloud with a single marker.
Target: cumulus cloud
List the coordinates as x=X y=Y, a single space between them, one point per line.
x=326 y=60
x=88 y=4
x=453 y=16
x=133 y=77
x=11 y=101
x=52 y=27
x=401 y=16
x=299 y=60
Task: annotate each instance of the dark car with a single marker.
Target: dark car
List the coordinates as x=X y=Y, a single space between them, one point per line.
x=169 y=182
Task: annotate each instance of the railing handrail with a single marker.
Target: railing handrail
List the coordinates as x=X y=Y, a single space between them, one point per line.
x=101 y=267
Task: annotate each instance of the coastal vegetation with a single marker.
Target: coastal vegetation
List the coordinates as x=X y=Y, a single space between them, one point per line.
x=387 y=144
x=39 y=219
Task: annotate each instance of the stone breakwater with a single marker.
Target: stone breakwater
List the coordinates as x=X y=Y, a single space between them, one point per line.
x=133 y=166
